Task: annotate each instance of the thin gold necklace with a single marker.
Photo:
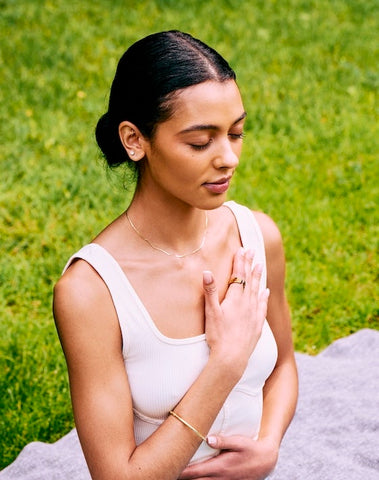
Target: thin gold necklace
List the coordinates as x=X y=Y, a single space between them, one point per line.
x=177 y=255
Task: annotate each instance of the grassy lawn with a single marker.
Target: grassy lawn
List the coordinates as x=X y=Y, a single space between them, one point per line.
x=308 y=74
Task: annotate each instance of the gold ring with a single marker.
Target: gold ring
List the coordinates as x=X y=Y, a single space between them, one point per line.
x=240 y=281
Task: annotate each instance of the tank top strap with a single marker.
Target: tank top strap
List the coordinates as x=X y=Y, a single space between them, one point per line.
x=104 y=264
x=250 y=233
x=122 y=293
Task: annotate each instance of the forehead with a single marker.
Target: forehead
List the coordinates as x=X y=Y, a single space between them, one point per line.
x=209 y=102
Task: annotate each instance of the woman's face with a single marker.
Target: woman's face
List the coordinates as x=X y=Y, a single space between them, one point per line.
x=194 y=154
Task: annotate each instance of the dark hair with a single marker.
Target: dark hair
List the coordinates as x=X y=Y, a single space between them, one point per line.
x=147 y=77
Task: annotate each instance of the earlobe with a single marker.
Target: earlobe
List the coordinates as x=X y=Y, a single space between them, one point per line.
x=131 y=138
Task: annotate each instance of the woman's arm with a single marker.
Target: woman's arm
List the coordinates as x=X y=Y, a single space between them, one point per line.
x=242 y=457
x=90 y=335
x=281 y=388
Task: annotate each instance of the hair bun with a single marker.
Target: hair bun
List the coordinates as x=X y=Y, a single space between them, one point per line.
x=109 y=141
x=147 y=76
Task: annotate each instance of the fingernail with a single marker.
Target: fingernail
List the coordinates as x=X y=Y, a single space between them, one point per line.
x=207 y=277
x=267 y=292
x=212 y=441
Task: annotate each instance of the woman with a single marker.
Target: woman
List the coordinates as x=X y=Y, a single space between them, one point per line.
x=174 y=371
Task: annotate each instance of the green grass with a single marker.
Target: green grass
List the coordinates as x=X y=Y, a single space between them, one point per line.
x=308 y=73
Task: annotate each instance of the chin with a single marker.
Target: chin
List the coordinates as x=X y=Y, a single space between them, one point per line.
x=211 y=204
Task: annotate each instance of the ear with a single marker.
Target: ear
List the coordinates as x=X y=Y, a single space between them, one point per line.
x=132 y=140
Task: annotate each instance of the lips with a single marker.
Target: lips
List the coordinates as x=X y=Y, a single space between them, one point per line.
x=218 y=186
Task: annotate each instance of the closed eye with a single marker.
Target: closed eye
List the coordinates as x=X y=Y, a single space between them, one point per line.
x=202 y=146
x=237 y=136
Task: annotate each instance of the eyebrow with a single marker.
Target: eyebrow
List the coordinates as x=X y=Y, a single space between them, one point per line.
x=200 y=127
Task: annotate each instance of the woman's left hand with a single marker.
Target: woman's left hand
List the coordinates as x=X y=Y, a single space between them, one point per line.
x=241 y=458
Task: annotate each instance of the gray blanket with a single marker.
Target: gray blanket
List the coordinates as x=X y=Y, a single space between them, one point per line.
x=334 y=435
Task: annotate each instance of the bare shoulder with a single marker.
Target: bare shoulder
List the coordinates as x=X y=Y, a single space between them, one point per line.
x=275 y=258
x=82 y=304
x=79 y=287
x=271 y=234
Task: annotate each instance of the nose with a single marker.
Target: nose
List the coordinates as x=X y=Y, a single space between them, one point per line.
x=227 y=155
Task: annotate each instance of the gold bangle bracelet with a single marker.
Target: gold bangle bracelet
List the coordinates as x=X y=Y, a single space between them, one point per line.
x=188 y=425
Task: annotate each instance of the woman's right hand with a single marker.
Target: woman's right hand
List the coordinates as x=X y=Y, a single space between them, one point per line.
x=233 y=327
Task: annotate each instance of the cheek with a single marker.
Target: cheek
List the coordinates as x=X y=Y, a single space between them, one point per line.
x=173 y=167
x=178 y=163
x=238 y=149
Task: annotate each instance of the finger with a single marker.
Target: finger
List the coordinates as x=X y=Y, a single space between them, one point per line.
x=198 y=470
x=249 y=257
x=230 y=442
x=256 y=276
x=263 y=302
x=189 y=475
x=202 y=470
x=212 y=304
x=238 y=271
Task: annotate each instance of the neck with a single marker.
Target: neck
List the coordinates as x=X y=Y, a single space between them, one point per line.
x=177 y=230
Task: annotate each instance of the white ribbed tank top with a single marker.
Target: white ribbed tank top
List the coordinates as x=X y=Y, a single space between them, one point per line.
x=161 y=369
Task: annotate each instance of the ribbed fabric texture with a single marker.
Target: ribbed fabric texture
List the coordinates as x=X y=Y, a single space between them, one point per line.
x=161 y=369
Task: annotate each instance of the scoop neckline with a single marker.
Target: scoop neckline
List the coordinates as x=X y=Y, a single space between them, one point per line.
x=140 y=304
